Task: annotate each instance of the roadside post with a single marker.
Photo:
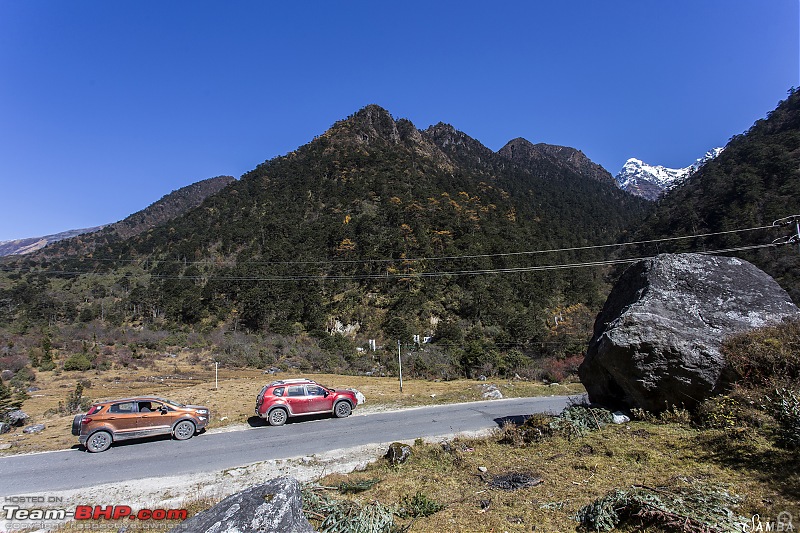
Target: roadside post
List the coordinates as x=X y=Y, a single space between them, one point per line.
x=400 y=363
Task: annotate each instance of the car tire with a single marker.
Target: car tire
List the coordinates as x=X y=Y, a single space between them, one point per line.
x=277 y=417
x=99 y=441
x=76 y=424
x=184 y=430
x=342 y=409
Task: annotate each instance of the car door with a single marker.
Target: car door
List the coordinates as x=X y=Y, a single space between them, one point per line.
x=318 y=399
x=155 y=418
x=122 y=418
x=296 y=398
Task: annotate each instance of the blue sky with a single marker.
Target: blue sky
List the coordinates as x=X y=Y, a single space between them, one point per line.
x=107 y=106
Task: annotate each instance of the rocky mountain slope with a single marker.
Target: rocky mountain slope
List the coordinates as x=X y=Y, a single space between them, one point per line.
x=523 y=151
x=32 y=244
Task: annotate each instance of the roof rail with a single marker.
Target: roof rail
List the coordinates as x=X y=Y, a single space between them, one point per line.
x=293 y=380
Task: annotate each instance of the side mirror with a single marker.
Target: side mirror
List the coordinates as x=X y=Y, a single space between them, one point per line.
x=163 y=410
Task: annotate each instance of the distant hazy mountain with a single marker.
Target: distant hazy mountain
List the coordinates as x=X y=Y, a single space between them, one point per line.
x=31 y=244
x=650 y=182
x=167 y=208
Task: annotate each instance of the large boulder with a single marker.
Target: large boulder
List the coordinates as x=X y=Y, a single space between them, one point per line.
x=275 y=506
x=656 y=343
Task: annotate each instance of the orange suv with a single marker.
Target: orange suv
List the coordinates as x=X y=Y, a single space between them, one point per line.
x=133 y=418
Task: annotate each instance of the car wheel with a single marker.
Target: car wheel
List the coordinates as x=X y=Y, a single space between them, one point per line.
x=342 y=410
x=184 y=430
x=277 y=417
x=99 y=441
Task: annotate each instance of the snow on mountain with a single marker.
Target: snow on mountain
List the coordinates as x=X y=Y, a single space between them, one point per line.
x=650 y=182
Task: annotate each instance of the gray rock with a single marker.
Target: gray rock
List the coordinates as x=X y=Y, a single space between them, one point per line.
x=620 y=418
x=657 y=341
x=275 y=506
x=34 y=429
x=491 y=392
x=4 y=428
x=17 y=418
x=6 y=375
x=398 y=453
x=6 y=446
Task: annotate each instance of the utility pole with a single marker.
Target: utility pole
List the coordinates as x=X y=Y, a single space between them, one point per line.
x=400 y=363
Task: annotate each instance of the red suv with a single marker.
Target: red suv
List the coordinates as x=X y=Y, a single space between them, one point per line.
x=295 y=397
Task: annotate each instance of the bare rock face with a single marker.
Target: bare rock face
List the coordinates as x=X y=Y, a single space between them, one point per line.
x=275 y=506
x=657 y=341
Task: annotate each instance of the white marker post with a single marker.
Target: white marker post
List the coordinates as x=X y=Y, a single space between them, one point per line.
x=400 y=363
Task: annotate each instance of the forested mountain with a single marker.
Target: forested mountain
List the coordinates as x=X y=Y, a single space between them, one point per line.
x=374 y=227
x=753 y=183
x=523 y=151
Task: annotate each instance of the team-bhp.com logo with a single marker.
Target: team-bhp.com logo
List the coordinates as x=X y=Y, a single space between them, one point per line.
x=16 y=514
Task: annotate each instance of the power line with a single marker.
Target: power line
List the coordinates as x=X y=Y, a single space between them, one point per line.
x=212 y=262
x=410 y=275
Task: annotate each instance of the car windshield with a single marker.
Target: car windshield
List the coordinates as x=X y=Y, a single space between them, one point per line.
x=172 y=403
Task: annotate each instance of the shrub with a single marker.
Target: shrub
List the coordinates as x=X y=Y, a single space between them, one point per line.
x=767 y=356
x=75 y=401
x=784 y=407
x=418 y=506
x=79 y=361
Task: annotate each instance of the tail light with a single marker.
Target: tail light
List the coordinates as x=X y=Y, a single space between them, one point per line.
x=86 y=420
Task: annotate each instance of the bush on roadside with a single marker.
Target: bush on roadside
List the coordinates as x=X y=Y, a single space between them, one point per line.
x=784 y=407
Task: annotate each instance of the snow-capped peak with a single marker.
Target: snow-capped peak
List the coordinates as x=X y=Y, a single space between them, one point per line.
x=649 y=181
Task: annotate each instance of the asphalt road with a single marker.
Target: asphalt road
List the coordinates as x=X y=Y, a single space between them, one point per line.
x=145 y=458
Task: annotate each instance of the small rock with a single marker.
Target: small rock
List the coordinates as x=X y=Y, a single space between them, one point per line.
x=6 y=446
x=34 y=429
x=398 y=453
x=17 y=418
x=481 y=378
x=482 y=469
x=4 y=428
x=6 y=375
x=492 y=392
x=223 y=418
x=433 y=396
x=620 y=418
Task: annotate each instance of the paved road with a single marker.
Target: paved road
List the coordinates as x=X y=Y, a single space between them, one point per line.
x=75 y=468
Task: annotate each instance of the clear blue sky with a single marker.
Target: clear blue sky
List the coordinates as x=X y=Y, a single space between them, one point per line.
x=105 y=106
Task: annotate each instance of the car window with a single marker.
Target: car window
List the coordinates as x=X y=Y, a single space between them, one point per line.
x=297 y=391
x=316 y=390
x=94 y=409
x=278 y=391
x=126 y=407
